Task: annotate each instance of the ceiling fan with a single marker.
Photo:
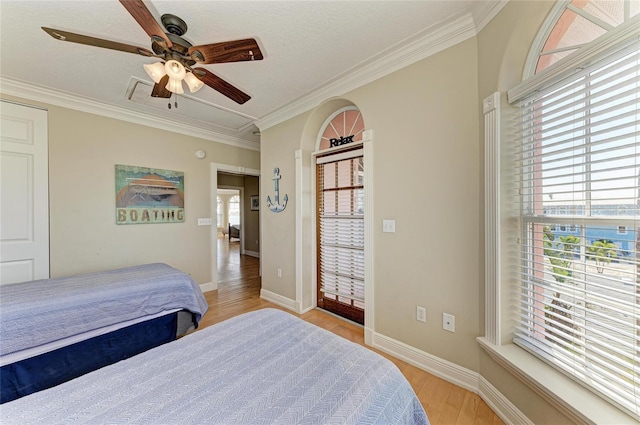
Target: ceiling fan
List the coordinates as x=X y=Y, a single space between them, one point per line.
x=177 y=54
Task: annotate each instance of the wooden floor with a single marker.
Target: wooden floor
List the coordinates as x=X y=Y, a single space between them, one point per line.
x=239 y=292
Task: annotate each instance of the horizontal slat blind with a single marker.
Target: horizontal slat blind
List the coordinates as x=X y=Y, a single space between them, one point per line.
x=341 y=229
x=579 y=169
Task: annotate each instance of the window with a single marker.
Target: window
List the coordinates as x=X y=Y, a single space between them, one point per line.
x=579 y=156
x=580 y=22
x=219 y=213
x=234 y=210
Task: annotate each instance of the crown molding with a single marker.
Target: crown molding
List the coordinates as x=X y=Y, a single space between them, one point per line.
x=67 y=100
x=486 y=11
x=414 y=49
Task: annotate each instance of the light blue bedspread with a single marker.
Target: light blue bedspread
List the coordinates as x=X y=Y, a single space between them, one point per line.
x=264 y=367
x=42 y=311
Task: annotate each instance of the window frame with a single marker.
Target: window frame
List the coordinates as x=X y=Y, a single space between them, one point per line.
x=570 y=398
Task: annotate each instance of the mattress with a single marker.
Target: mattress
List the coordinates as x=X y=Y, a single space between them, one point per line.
x=38 y=315
x=262 y=367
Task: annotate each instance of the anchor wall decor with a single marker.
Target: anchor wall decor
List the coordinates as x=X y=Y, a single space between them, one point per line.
x=276 y=207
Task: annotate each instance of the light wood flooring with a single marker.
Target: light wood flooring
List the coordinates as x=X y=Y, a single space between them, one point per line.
x=239 y=292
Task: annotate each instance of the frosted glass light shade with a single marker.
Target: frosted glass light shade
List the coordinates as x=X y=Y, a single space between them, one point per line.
x=193 y=82
x=155 y=71
x=175 y=70
x=174 y=86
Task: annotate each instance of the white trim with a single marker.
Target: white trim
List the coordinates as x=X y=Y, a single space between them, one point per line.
x=426 y=43
x=278 y=299
x=457 y=375
x=252 y=254
x=492 y=235
x=339 y=156
x=501 y=405
x=299 y=229
x=441 y=368
x=488 y=11
x=369 y=292
x=206 y=287
x=213 y=204
x=572 y=399
x=617 y=39
x=68 y=100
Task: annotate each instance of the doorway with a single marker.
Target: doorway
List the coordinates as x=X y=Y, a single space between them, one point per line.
x=245 y=183
x=340 y=234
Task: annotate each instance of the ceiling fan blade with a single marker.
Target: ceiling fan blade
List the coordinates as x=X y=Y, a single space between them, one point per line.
x=159 y=89
x=228 y=51
x=98 y=42
x=145 y=19
x=221 y=86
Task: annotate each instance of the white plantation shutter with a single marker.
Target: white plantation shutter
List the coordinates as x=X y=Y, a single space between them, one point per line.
x=579 y=197
x=341 y=227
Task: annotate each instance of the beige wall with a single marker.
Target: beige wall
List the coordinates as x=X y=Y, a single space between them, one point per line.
x=83 y=149
x=503 y=47
x=251 y=223
x=427 y=171
x=428 y=176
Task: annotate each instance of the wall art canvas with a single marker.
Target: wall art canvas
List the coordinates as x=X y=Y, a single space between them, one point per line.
x=148 y=195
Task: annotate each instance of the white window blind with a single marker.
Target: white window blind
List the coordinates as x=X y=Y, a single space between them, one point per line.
x=341 y=228
x=579 y=172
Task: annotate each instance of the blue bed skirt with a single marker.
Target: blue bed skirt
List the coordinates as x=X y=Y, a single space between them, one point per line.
x=55 y=367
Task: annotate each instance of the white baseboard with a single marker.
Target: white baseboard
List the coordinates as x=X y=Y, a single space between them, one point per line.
x=444 y=369
x=500 y=404
x=278 y=300
x=252 y=253
x=451 y=372
x=206 y=287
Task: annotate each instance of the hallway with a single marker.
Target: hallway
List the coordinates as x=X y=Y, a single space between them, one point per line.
x=238 y=284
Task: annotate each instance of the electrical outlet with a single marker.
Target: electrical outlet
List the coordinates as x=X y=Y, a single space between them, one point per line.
x=279 y=272
x=448 y=322
x=421 y=314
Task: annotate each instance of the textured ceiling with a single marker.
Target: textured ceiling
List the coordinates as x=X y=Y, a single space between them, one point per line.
x=309 y=47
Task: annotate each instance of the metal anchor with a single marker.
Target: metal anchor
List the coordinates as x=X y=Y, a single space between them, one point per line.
x=276 y=207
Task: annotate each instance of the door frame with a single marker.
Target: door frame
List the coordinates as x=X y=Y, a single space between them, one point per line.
x=213 y=204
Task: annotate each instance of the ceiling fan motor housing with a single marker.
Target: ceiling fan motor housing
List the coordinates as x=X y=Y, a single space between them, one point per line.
x=173 y=24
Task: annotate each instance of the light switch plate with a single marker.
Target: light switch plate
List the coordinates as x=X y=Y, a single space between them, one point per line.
x=389 y=226
x=204 y=222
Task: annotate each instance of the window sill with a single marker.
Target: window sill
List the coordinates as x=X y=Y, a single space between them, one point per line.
x=571 y=398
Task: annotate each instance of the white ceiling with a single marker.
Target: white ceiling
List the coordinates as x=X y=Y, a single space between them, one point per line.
x=312 y=50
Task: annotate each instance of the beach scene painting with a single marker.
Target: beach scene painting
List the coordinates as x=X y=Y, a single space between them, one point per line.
x=148 y=195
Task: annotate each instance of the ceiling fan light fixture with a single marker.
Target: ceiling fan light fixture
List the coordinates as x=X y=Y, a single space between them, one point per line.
x=175 y=70
x=175 y=86
x=155 y=71
x=193 y=82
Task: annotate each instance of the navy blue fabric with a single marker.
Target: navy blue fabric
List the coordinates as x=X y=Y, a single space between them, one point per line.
x=61 y=365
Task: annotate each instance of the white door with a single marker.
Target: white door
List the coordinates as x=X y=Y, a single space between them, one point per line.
x=24 y=193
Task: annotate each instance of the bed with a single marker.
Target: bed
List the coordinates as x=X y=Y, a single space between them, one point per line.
x=53 y=330
x=262 y=367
